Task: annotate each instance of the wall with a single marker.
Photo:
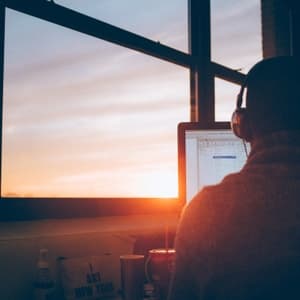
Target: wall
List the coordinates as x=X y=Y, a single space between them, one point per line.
x=280 y=29
x=20 y=243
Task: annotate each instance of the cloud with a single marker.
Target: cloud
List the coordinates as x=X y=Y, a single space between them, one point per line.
x=143 y=85
x=232 y=45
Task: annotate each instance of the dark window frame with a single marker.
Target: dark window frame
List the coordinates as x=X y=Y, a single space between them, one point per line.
x=202 y=74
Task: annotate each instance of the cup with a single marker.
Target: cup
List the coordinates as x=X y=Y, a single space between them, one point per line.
x=132 y=276
x=159 y=268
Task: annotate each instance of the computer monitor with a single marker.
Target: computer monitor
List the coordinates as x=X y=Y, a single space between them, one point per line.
x=206 y=155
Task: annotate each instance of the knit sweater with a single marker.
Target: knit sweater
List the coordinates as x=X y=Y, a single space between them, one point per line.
x=250 y=219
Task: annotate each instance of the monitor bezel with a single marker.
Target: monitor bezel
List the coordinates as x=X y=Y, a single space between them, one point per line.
x=182 y=128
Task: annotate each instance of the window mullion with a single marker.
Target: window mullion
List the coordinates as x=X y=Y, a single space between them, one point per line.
x=202 y=79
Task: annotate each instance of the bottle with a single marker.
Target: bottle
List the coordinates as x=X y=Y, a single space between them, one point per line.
x=44 y=284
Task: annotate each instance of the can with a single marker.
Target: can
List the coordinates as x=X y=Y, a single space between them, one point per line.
x=159 y=269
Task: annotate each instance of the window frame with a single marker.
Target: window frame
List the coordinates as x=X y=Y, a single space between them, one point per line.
x=202 y=72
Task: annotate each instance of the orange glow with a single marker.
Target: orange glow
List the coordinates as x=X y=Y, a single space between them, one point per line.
x=165 y=184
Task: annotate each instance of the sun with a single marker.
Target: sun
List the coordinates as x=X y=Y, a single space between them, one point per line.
x=158 y=184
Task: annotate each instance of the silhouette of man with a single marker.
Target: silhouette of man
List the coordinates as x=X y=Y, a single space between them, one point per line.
x=234 y=235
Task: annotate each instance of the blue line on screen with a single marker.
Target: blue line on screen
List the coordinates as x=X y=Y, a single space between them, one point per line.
x=224 y=157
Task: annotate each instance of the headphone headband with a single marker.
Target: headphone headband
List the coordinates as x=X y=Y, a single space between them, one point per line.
x=240 y=95
x=239 y=122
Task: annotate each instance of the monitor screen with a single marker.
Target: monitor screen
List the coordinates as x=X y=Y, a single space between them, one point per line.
x=206 y=156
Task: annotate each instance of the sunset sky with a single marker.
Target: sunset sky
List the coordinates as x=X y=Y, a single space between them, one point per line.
x=87 y=118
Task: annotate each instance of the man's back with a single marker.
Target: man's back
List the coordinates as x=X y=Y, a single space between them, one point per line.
x=252 y=219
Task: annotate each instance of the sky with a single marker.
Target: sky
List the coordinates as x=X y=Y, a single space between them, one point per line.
x=87 y=118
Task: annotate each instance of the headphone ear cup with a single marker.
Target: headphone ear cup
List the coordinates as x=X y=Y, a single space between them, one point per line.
x=240 y=124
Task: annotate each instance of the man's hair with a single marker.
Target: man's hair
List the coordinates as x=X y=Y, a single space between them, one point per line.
x=273 y=95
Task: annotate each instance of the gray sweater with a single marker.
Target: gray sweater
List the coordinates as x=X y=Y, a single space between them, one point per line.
x=249 y=220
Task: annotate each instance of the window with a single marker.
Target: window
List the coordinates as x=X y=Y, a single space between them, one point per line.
x=92 y=98
x=163 y=21
x=236 y=33
x=84 y=117
x=235 y=43
x=225 y=99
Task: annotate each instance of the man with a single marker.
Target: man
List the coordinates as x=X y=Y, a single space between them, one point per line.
x=240 y=239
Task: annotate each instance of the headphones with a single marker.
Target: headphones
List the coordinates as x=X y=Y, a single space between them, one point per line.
x=240 y=119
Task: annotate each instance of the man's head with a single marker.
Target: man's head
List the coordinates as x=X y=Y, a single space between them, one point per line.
x=272 y=99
